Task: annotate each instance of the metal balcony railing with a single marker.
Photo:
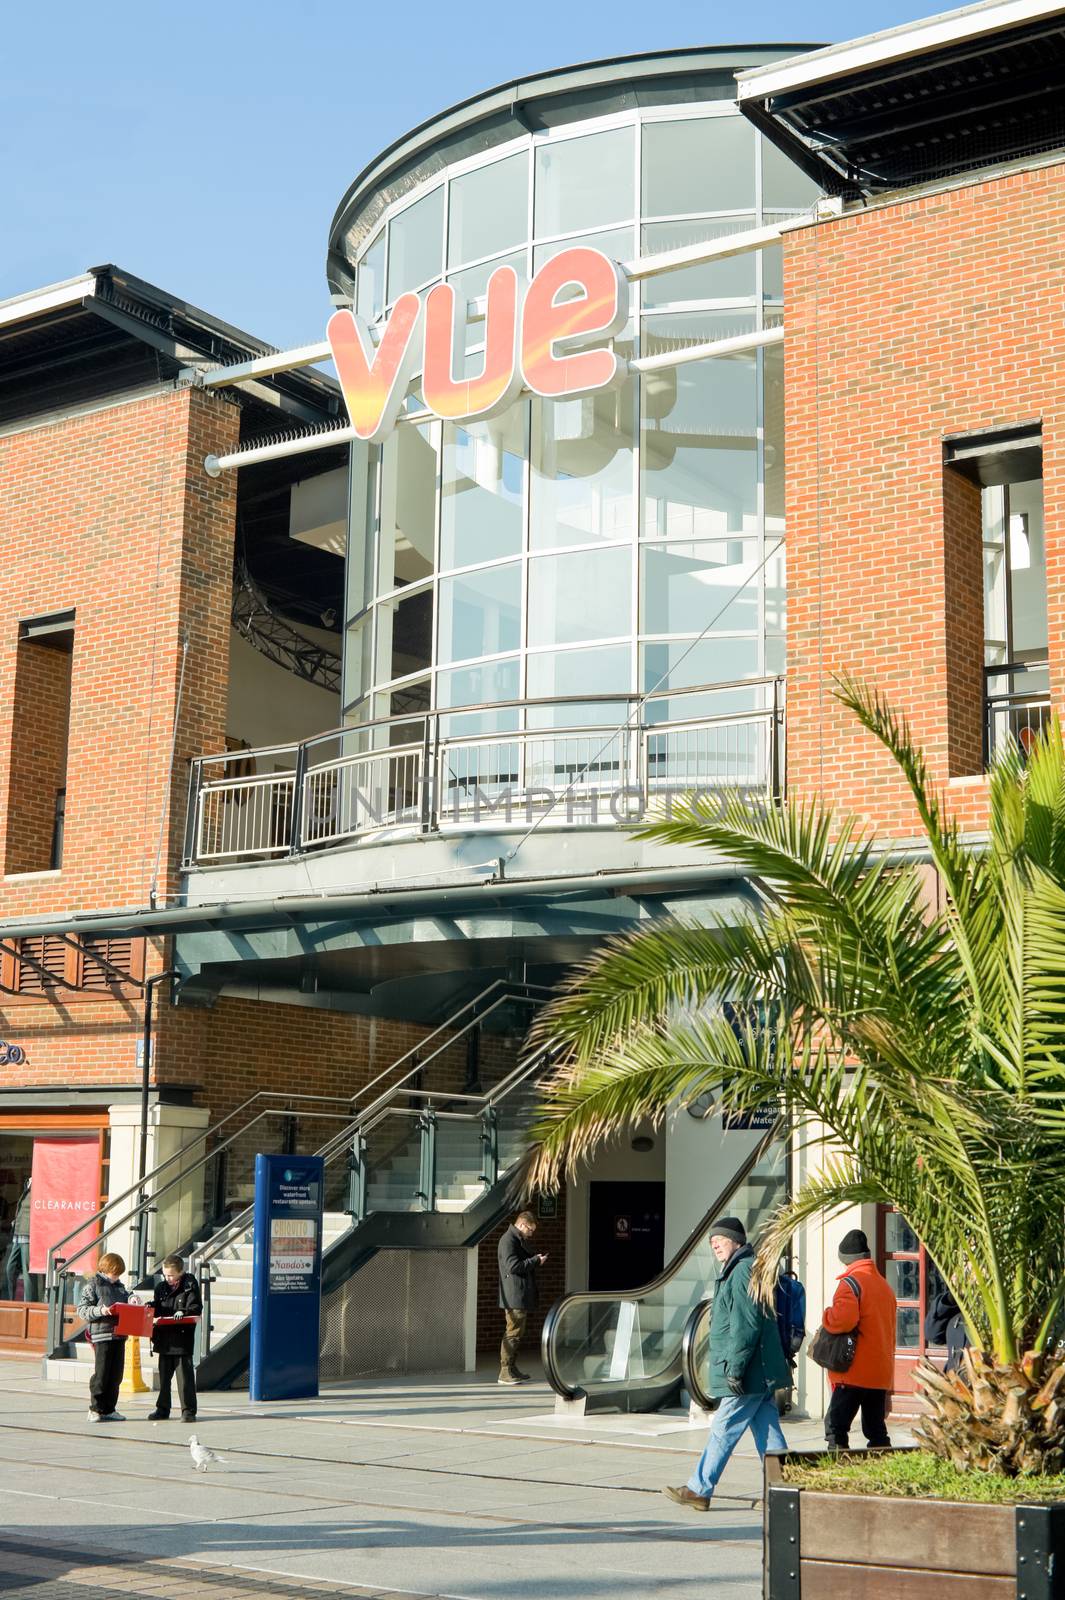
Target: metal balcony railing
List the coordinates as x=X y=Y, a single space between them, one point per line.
x=1016 y=706
x=598 y=761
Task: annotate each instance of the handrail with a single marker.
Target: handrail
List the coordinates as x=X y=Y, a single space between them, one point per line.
x=369 y=1119
x=55 y=1259
x=349 y=783
x=350 y=1101
x=149 y=1202
x=670 y=1270
x=400 y=719
x=693 y=1381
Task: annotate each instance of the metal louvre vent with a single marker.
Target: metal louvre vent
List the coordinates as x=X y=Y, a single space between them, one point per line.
x=404 y=1311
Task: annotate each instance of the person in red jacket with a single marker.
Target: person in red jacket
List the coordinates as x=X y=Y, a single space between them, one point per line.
x=866 y=1385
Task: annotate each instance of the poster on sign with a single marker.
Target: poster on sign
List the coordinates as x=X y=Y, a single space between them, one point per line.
x=64 y=1192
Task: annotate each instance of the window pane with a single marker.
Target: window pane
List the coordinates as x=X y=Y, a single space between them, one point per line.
x=899 y=1236
x=700 y=447
x=408 y=506
x=686 y=664
x=370 y=300
x=773 y=416
x=479 y=685
x=471 y=289
x=488 y=210
x=480 y=613
x=703 y=164
x=617 y=244
x=585 y=672
x=785 y=187
x=357 y=661
x=684 y=586
x=362 y=533
x=714 y=280
x=481 y=500
x=404 y=635
x=583 y=595
x=585 y=182
x=581 y=486
x=773 y=273
x=908 y=1328
x=415 y=244
x=1027 y=564
x=905 y=1278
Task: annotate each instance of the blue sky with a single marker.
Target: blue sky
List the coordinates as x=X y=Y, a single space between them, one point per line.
x=205 y=146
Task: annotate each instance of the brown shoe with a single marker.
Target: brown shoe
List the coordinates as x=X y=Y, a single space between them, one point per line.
x=685 y=1497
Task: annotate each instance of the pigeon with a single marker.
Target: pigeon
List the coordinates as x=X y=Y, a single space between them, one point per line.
x=201 y=1456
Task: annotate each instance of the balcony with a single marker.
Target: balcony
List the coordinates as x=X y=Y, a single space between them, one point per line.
x=600 y=762
x=1016 y=706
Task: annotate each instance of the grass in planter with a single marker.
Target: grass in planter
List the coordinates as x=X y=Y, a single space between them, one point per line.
x=919 y=1475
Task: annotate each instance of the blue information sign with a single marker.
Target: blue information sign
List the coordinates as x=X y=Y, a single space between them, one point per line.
x=286 y=1277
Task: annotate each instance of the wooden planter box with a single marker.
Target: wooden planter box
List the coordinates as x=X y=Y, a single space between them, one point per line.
x=869 y=1547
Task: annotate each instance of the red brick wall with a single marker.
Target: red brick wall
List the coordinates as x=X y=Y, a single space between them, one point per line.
x=39 y=719
x=932 y=316
x=111 y=514
x=550 y=1283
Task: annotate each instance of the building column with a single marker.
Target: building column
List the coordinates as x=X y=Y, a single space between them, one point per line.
x=181 y=1208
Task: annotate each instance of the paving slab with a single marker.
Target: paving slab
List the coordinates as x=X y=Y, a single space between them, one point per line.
x=439 y=1487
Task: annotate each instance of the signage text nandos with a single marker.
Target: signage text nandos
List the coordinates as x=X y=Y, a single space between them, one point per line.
x=534 y=341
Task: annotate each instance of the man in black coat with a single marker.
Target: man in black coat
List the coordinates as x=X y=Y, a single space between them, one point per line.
x=177 y=1295
x=517 y=1292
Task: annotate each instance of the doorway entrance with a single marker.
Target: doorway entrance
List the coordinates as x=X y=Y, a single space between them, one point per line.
x=626 y=1234
x=915 y=1278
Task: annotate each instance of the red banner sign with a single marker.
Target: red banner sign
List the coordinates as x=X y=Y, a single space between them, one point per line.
x=65 y=1191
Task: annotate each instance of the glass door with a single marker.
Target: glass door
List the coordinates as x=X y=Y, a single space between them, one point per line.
x=916 y=1281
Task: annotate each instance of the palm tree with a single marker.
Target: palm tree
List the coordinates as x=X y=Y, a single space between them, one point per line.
x=926 y=1042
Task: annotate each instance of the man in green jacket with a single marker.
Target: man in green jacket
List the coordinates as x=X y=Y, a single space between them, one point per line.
x=746 y=1366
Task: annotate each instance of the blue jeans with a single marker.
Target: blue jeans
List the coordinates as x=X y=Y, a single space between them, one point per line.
x=732 y=1418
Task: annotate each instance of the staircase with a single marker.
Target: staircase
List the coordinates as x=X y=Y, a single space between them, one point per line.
x=443 y=1183
x=411 y=1163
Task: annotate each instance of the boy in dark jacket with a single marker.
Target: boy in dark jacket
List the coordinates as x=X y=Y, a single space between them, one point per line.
x=99 y=1294
x=176 y=1295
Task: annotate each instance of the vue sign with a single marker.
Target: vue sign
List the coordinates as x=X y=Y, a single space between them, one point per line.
x=533 y=341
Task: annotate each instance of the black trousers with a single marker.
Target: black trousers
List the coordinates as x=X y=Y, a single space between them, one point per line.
x=110 y=1358
x=844 y=1406
x=167 y=1366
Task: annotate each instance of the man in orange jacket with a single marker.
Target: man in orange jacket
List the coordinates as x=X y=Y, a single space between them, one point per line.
x=867 y=1383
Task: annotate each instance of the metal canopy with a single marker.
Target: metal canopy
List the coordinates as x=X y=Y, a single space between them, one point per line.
x=956 y=93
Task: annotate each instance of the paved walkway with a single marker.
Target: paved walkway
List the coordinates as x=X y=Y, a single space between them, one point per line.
x=448 y=1487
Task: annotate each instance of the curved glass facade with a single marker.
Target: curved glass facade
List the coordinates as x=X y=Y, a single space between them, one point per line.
x=580 y=547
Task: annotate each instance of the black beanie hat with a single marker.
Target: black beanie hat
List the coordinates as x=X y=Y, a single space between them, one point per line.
x=854 y=1244
x=729 y=1228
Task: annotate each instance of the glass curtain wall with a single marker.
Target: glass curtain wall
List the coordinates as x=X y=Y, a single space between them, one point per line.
x=610 y=544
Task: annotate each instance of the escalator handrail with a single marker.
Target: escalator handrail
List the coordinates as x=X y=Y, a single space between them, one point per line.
x=672 y=1267
x=689 y=1367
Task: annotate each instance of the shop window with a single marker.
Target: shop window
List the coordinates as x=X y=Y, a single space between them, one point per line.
x=40 y=726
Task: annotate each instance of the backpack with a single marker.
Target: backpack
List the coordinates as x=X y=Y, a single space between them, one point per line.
x=791 y=1312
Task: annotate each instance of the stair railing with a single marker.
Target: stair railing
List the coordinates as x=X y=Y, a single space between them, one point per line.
x=427 y=1117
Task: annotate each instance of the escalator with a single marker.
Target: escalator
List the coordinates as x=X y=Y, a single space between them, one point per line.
x=624 y=1351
